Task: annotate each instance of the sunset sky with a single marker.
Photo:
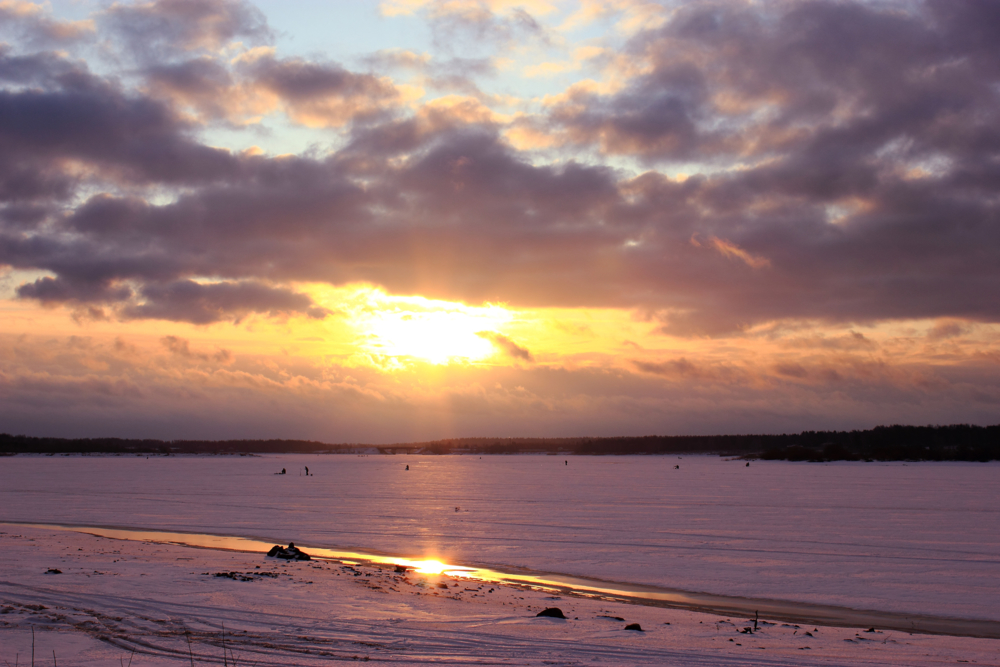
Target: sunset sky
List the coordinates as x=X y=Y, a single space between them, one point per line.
x=416 y=219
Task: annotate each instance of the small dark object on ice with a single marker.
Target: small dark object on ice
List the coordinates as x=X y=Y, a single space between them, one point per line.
x=872 y=629
x=402 y=569
x=551 y=612
x=280 y=473
x=53 y=570
x=290 y=553
x=677 y=467
x=442 y=585
x=634 y=626
x=748 y=464
x=407 y=467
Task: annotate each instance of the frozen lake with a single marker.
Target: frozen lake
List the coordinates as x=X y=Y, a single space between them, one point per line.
x=914 y=538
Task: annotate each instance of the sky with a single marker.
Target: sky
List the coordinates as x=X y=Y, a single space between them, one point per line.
x=418 y=219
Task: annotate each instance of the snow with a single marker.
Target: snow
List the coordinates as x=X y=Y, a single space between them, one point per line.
x=908 y=538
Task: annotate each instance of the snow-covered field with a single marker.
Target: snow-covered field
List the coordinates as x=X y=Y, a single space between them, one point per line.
x=916 y=538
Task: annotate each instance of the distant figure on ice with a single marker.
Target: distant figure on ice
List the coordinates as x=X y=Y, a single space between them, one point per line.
x=307 y=471
x=407 y=467
x=566 y=462
x=748 y=464
x=280 y=473
x=677 y=467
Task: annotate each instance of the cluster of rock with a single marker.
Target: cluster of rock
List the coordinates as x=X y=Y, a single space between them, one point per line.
x=556 y=612
x=291 y=552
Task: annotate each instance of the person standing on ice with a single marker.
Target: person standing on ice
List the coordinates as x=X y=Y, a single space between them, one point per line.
x=307 y=471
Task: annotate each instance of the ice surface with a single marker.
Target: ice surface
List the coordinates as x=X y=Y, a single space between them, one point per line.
x=170 y=606
x=916 y=538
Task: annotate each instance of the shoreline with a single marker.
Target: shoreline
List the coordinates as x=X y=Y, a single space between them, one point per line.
x=788 y=611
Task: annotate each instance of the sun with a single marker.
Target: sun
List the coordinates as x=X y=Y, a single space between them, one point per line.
x=432 y=331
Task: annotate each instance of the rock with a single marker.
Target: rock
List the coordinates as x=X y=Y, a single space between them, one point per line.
x=291 y=552
x=53 y=570
x=634 y=626
x=551 y=612
x=402 y=569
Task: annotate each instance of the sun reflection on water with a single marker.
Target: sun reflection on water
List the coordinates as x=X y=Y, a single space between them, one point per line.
x=433 y=567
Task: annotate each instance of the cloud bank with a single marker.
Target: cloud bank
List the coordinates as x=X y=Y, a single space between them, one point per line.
x=727 y=168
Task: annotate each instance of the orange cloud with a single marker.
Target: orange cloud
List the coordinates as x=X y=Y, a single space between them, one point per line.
x=729 y=249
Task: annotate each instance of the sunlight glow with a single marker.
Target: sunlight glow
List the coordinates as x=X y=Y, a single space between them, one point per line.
x=437 y=332
x=429 y=566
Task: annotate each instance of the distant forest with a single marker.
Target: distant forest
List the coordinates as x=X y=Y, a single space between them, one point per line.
x=959 y=442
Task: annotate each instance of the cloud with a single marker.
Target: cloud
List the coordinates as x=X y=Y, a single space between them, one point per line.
x=188 y=301
x=845 y=151
x=473 y=24
x=321 y=94
x=732 y=250
x=162 y=29
x=946 y=329
x=509 y=347
x=182 y=348
x=34 y=24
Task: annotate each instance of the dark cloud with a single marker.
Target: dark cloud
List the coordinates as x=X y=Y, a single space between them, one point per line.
x=675 y=368
x=50 y=290
x=866 y=133
x=182 y=348
x=199 y=303
x=79 y=116
x=201 y=83
x=163 y=29
x=509 y=347
x=322 y=94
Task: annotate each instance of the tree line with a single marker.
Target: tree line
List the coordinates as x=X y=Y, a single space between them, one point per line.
x=957 y=442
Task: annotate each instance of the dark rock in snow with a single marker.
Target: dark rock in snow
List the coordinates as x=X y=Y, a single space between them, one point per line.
x=53 y=570
x=551 y=612
x=634 y=626
x=291 y=552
